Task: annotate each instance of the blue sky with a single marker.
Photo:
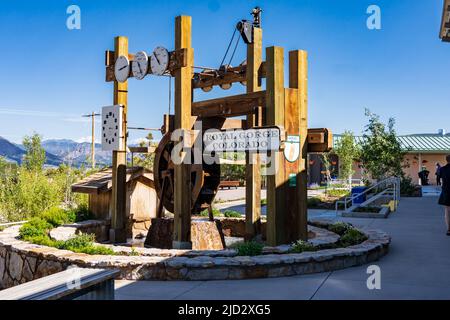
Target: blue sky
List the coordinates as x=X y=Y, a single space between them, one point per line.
x=52 y=75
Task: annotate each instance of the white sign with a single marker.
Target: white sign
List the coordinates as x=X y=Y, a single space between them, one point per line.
x=112 y=128
x=292 y=148
x=262 y=139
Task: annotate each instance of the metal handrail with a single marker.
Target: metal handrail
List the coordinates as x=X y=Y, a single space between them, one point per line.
x=394 y=181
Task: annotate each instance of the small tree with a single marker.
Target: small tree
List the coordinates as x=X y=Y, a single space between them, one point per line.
x=325 y=157
x=145 y=160
x=347 y=151
x=34 y=157
x=381 y=152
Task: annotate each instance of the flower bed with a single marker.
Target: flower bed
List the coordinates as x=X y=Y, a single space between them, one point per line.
x=22 y=261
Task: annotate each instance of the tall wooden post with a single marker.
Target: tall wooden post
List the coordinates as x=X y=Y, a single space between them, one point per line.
x=183 y=102
x=253 y=169
x=118 y=201
x=296 y=124
x=276 y=205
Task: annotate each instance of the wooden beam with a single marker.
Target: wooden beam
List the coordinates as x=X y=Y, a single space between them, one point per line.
x=119 y=163
x=320 y=140
x=148 y=149
x=253 y=162
x=298 y=79
x=230 y=106
x=183 y=101
x=210 y=78
x=220 y=123
x=177 y=59
x=276 y=215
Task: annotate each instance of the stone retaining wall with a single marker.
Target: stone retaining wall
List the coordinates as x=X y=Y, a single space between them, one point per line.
x=21 y=261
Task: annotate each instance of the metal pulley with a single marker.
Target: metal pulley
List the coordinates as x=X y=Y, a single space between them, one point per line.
x=245 y=27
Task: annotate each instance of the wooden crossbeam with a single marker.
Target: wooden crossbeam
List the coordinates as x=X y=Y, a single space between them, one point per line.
x=177 y=59
x=320 y=140
x=212 y=78
x=148 y=149
x=231 y=106
x=218 y=122
x=236 y=74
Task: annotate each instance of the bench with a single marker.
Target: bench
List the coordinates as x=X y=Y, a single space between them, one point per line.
x=70 y=284
x=229 y=184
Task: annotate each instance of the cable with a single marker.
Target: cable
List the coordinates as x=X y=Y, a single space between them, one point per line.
x=234 y=51
x=228 y=48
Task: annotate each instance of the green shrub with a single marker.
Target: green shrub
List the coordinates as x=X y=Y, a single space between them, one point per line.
x=368 y=209
x=56 y=216
x=79 y=241
x=407 y=187
x=44 y=240
x=83 y=243
x=250 y=248
x=93 y=249
x=337 y=185
x=337 y=193
x=232 y=214
x=81 y=213
x=340 y=228
x=133 y=252
x=263 y=202
x=33 y=228
x=300 y=246
x=352 y=237
x=313 y=202
x=205 y=213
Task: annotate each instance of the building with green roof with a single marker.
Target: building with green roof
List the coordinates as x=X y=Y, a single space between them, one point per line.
x=423 y=150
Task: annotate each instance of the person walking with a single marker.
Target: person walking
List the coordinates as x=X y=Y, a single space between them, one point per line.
x=438 y=174
x=444 y=198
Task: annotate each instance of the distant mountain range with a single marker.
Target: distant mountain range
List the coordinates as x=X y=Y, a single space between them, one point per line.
x=58 y=152
x=76 y=153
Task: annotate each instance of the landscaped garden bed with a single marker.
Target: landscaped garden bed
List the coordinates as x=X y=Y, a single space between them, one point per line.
x=331 y=246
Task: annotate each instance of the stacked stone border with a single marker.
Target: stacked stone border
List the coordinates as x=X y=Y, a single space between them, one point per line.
x=22 y=261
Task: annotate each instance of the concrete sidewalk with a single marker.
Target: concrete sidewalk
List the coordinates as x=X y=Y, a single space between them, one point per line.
x=417 y=267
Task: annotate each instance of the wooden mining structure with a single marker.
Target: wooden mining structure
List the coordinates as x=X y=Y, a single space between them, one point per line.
x=185 y=189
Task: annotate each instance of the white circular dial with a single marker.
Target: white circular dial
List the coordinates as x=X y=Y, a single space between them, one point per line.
x=111 y=128
x=140 y=65
x=159 y=61
x=122 y=68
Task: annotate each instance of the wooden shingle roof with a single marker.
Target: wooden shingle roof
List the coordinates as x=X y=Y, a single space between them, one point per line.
x=102 y=181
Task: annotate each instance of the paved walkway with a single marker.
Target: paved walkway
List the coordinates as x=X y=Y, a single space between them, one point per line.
x=417 y=267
